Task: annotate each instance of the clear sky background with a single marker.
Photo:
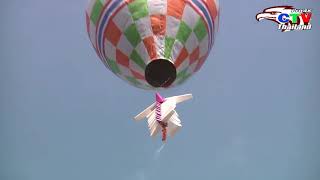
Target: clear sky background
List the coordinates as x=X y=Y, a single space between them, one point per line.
x=255 y=113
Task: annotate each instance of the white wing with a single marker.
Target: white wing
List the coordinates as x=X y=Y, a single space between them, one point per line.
x=173 y=100
x=145 y=112
x=181 y=98
x=174 y=124
x=154 y=126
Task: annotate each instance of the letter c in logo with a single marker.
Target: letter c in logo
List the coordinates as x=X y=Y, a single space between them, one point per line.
x=283 y=18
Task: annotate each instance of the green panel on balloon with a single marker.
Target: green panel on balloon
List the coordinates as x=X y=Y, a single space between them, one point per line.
x=168 y=46
x=138 y=9
x=184 y=78
x=97 y=8
x=182 y=73
x=113 y=65
x=184 y=32
x=200 y=30
x=133 y=35
x=137 y=59
x=133 y=80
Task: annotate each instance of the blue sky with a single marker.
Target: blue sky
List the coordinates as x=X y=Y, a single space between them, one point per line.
x=255 y=113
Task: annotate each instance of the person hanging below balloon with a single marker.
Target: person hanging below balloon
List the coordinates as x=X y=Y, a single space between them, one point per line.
x=162 y=115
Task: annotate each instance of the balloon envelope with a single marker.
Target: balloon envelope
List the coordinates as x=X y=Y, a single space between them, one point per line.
x=152 y=43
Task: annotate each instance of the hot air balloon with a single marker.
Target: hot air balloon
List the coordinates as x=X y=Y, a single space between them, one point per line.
x=153 y=44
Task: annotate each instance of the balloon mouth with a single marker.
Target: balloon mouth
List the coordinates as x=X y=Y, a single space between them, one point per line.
x=160 y=73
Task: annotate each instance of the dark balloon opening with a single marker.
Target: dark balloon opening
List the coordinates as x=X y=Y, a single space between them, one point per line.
x=160 y=73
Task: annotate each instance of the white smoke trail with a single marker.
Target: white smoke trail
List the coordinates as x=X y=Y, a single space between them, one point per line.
x=145 y=173
x=158 y=152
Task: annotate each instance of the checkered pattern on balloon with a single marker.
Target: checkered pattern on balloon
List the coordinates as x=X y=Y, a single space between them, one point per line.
x=129 y=34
